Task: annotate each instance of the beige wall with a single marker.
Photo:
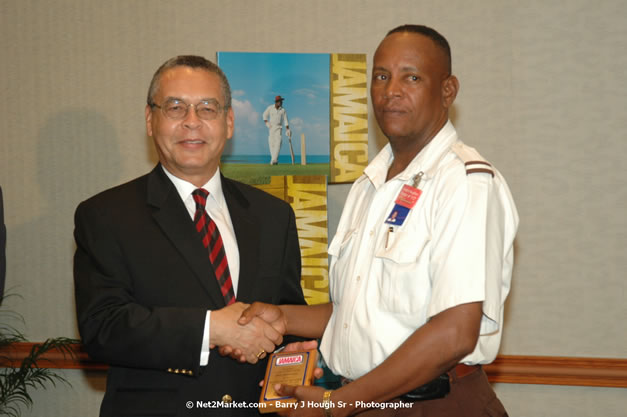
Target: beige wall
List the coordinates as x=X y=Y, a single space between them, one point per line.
x=543 y=96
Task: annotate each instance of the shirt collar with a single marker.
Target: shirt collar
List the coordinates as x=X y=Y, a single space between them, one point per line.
x=426 y=160
x=185 y=188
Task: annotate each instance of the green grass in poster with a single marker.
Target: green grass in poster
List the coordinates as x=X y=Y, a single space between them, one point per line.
x=260 y=173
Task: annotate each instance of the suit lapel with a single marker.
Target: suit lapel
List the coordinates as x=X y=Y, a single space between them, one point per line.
x=247 y=235
x=173 y=219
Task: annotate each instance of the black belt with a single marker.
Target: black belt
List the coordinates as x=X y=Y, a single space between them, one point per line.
x=440 y=386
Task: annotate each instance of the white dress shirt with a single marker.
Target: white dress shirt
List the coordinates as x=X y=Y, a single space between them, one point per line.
x=217 y=209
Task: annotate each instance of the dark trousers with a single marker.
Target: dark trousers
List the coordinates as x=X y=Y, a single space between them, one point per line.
x=470 y=396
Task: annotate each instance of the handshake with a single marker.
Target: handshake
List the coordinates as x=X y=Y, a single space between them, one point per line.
x=248 y=332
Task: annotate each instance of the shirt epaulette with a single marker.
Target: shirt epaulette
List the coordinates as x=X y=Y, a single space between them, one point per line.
x=472 y=160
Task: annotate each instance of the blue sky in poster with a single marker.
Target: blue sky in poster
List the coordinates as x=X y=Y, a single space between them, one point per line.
x=256 y=78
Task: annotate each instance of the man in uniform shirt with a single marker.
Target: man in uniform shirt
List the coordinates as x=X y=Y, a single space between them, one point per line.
x=275 y=117
x=418 y=295
x=161 y=260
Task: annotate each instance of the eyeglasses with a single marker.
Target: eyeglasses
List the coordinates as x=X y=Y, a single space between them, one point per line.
x=178 y=109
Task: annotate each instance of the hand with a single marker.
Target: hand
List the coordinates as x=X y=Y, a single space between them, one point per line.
x=269 y=313
x=300 y=346
x=303 y=395
x=306 y=345
x=249 y=339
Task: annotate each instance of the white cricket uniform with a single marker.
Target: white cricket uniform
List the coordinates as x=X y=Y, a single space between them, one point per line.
x=275 y=120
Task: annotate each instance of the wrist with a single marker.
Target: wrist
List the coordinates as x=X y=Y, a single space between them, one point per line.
x=327 y=404
x=284 y=319
x=219 y=331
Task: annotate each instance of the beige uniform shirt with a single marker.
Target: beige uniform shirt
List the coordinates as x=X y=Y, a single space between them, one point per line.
x=454 y=247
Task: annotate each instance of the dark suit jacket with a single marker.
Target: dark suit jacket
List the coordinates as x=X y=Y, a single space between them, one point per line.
x=143 y=283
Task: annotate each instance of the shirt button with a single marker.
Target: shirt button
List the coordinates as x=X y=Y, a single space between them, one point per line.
x=358 y=278
x=372 y=233
x=346 y=325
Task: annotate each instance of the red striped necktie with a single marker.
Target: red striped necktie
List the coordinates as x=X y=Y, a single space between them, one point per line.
x=213 y=242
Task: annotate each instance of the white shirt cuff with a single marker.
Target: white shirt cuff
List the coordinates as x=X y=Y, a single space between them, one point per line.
x=204 y=349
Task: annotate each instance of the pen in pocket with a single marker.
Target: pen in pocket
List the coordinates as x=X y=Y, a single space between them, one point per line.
x=387 y=237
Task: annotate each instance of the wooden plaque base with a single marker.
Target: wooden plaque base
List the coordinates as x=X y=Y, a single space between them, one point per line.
x=291 y=368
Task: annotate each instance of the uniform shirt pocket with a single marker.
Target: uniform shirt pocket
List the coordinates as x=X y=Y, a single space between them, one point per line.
x=403 y=280
x=402 y=247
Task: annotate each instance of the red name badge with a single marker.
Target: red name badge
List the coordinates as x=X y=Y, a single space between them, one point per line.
x=408 y=196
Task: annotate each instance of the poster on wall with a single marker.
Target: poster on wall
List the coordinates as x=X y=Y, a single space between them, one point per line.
x=308 y=197
x=296 y=114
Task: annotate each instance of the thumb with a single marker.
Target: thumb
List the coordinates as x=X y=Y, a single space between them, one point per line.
x=247 y=316
x=318 y=373
x=285 y=390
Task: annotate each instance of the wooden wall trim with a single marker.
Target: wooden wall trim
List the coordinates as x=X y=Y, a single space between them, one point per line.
x=13 y=355
x=558 y=370
x=513 y=369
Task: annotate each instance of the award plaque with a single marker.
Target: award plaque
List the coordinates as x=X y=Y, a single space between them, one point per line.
x=290 y=368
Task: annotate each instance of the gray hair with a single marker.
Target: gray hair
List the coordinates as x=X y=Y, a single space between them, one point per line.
x=191 y=61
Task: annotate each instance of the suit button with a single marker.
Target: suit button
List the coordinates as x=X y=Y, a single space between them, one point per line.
x=226 y=398
x=170 y=370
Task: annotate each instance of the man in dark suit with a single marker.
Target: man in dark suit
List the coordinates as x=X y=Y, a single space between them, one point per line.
x=151 y=299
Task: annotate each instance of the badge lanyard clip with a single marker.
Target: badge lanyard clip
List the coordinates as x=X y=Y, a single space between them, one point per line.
x=417 y=179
